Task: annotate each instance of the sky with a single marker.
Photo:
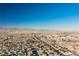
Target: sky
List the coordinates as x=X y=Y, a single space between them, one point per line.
x=55 y=16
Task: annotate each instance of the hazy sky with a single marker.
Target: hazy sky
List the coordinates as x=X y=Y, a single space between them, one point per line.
x=40 y=16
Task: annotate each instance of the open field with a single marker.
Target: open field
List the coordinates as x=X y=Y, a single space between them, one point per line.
x=15 y=42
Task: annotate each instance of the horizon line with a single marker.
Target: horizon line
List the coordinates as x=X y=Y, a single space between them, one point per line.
x=16 y=28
